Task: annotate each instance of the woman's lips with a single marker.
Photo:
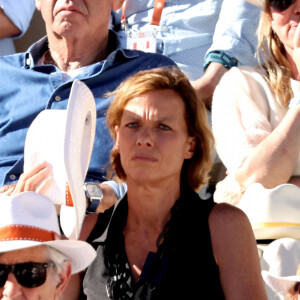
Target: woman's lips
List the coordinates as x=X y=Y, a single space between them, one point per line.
x=144 y=157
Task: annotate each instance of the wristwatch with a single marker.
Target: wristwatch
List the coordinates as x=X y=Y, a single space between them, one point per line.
x=94 y=194
x=220 y=57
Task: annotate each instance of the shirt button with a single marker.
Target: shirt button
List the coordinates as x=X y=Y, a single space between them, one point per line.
x=57 y=98
x=12 y=177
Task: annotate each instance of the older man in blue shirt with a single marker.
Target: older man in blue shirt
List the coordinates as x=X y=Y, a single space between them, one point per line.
x=78 y=45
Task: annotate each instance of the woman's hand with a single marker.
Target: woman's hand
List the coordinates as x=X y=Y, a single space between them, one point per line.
x=37 y=179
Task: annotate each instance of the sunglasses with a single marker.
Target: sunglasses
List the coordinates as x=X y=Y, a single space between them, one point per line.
x=29 y=274
x=281 y=5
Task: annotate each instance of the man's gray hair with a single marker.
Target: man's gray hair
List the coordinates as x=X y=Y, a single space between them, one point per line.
x=58 y=259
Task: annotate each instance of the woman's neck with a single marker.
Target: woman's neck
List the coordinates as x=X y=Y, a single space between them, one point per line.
x=149 y=206
x=149 y=209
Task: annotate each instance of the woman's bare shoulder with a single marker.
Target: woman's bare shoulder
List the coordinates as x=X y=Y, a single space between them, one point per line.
x=230 y=221
x=223 y=211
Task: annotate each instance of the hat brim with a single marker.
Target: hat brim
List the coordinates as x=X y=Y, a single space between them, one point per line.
x=79 y=141
x=65 y=139
x=279 y=284
x=273 y=213
x=80 y=253
x=277 y=232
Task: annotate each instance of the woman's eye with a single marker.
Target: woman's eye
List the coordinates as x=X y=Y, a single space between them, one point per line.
x=164 y=127
x=132 y=125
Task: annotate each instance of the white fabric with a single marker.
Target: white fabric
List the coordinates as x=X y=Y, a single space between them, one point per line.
x=65 y=138
x=279 y=263
x=244 y=112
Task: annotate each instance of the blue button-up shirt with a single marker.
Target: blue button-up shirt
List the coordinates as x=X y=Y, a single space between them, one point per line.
x=191 y=28
x=27 y=89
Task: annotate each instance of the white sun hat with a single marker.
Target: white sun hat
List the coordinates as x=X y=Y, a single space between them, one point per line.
x=29 y=219
x=65 y=138
x=283 y=258
x=273 y=213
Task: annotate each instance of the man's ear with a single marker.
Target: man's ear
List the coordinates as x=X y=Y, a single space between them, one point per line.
x=38 y=4
x=65 y=281
x=117 y=4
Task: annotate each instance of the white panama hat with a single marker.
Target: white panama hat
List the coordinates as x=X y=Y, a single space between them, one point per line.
x=29 y=219
x=273 y=213
x=283 y=259
x=259 y=3
x=65 y=139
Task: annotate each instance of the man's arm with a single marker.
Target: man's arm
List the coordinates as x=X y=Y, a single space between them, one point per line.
x=235 y=31
x=7 y=27
x=15 y=17
x=37 y=179
x=206 y=84
x=235 y=36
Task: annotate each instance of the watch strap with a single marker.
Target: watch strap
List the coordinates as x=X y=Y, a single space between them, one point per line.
x=220 y=57
x=94 y=200
x=93 y=206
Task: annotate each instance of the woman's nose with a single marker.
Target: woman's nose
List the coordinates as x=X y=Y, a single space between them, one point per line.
x=145 y=138
x=297 y=7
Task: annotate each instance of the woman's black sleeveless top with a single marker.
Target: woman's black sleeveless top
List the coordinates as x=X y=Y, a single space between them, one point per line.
x=183 y=268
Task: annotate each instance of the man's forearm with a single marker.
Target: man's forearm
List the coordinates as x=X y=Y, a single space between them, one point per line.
x=205 y=85
x=7 y=27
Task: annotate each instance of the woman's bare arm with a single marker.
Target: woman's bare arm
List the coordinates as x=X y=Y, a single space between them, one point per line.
x=273 y=160
x=236 y=254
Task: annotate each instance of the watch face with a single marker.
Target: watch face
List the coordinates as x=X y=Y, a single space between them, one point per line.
x=94 y=190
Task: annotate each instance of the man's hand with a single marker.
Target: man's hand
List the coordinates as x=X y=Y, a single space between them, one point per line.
x=36 y=179
x=205 y=85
